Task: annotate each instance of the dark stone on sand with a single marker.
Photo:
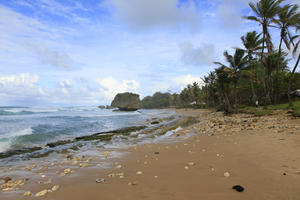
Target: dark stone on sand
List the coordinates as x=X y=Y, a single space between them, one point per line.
x=156 y=152
x=284 y=174
x=238 y=188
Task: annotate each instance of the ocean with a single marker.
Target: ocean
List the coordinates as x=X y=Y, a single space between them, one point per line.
x=30 y=127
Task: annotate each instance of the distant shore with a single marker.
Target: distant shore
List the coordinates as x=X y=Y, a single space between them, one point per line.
x=202 y=161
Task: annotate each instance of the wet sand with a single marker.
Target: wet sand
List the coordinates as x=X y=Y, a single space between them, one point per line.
x=262 y=154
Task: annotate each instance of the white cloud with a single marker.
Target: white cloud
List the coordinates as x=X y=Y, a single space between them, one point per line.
x=197 y=55
x=111 y=86
x=183 y=81
x=51 y=57
x=20 y=86
x=149 y=14
x=229 y=13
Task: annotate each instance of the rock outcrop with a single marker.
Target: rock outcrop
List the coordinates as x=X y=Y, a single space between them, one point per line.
x=127 y=101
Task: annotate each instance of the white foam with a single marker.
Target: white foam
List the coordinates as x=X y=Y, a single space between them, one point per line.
x=26 y=131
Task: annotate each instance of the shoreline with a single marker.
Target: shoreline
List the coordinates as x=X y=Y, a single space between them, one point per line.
x=255 y=151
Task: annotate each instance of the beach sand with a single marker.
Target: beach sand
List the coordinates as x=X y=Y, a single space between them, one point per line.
x=261 y=154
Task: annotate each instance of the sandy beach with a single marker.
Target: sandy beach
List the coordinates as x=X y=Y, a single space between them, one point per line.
x=203 y=161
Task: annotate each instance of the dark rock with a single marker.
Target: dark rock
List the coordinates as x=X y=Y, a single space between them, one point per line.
x=284 y=174
x=156 y=152
x=6 y=179
x=127 y=101
x=155 y=122
x=19 y=151
x=238 y=188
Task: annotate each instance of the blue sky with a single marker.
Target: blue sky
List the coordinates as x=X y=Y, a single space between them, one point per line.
x=79 y=52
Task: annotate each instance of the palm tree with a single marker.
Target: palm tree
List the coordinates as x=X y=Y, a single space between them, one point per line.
x=294 y=69
x=252 y=43
x=265 y=11
x=236 y=63
x=222 y=82
x=287 y=17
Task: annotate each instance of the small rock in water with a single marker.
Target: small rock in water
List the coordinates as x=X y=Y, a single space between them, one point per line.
x=100 y=180
x=27 y=194
x=139 y=173
x=41 y=193
x=55 y=187
x=226 y=174
x=238 y=188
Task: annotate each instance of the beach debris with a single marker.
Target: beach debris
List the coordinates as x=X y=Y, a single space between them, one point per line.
x=41 y=193
x=54 y=188
x=226 y=174
x=43 y=176
x=100 y=180
x=10 y=169
x=57 y=172
x=156 y=152
x=99 y=165
x=238 y=188
x=67 y=171
x=6 y=179
x=75 y=162
x=28 y=168
x=132 y=183
x=186 y=167
x=155 y=176
x=83 y=165
x=284 y=174
x=111 y=175
x=105 y=154
x=10 y=185
x=118 y=166
x=139 y=173
x=27 y=194
x=191 y=164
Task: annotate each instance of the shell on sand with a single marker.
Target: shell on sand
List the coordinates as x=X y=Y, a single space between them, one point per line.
x=139 y=173
x=27 y=194
x=55 y=187
x=41 y=193
x=226 y=174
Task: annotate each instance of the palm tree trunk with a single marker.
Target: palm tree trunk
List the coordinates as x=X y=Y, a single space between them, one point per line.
x=235 y=96
x=290 y=82
x=277 y=71
x=263 y=70
x=254 y=97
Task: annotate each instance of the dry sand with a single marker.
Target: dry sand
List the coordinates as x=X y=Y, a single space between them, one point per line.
x=262 y=154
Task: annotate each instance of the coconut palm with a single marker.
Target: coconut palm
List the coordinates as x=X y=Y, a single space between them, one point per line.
x=265 y=11
x=237 y=62
x=288 y=17
x=252 y=43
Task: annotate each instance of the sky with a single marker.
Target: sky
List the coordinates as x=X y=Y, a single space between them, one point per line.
x=84 y=52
